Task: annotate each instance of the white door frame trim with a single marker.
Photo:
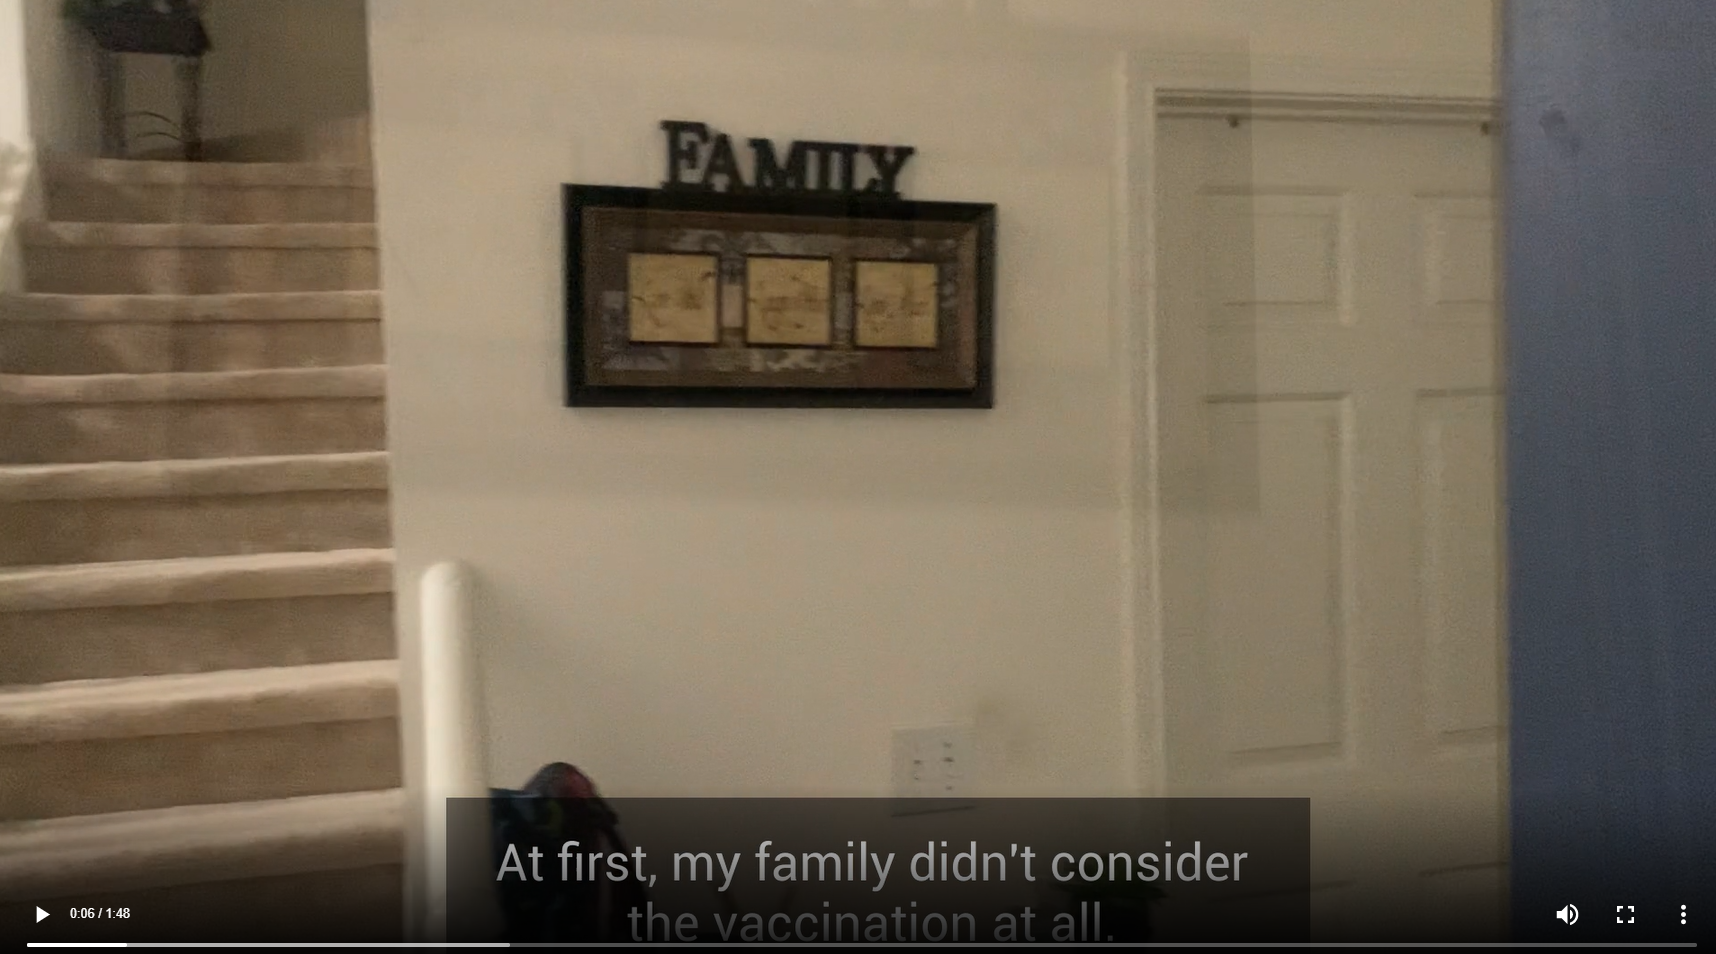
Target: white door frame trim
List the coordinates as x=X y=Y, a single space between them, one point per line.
x=1150 y=86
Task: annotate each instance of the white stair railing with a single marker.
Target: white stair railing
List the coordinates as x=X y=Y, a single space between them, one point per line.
x=451 y=713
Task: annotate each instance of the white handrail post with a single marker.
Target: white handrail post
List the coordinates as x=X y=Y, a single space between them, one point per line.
x=452 y=725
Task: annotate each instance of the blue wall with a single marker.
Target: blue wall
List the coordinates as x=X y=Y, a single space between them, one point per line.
x=1610 y=186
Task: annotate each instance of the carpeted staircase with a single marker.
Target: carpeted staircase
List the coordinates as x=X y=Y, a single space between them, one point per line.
x=199 y=716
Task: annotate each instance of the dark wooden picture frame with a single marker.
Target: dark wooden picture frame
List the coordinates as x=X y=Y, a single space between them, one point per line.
x=608 y=365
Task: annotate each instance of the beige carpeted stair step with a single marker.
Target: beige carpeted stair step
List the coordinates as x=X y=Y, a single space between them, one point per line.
x=113 y=745
x=87 y=418
x=145 y=510
x=314 y=863
x=291 y=867
x=199 y=709
x=236 y=306
x=127 y=258
x=98 y=621
x=108 y=190
x=338 y=908
x=145 y=172
x=102 y=334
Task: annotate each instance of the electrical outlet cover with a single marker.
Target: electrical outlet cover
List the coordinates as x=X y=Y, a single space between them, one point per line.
x=932 y=768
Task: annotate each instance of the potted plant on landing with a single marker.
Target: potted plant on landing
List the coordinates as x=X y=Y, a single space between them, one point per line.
x=162 y=27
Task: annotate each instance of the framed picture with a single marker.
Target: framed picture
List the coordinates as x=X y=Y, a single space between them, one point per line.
x=715 y=299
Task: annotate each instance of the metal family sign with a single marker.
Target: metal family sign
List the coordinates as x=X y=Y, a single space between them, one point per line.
x=701 y=160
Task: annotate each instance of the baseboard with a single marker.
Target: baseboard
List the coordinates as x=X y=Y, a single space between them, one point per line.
x=344 y=142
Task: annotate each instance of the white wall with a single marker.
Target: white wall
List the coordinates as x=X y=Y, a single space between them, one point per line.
x=62 y=92
x=16 y=150
x=16 y=174
x=14 y=98
x=733 y=601
x=709 y=602
x=1457 y=33
x=285 y=63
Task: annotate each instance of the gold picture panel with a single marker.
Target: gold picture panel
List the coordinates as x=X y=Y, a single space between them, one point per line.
x=788 y=302
x=673 y=299
x=895 y=305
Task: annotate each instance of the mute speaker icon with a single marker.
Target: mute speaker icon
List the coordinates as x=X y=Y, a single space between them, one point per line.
x=1568 y=915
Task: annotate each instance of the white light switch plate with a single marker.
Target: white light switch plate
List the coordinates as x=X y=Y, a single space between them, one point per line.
x=934 y=762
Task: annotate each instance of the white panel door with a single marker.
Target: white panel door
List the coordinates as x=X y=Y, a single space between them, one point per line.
x=1332 y=597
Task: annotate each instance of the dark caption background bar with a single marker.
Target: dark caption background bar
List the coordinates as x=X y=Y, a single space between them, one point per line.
x=1267 y=903
x=1273 y=901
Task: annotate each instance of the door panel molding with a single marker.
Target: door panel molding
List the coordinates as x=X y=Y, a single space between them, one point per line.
x=1152 y=85
x=1217 y=103
x=1414 y=736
